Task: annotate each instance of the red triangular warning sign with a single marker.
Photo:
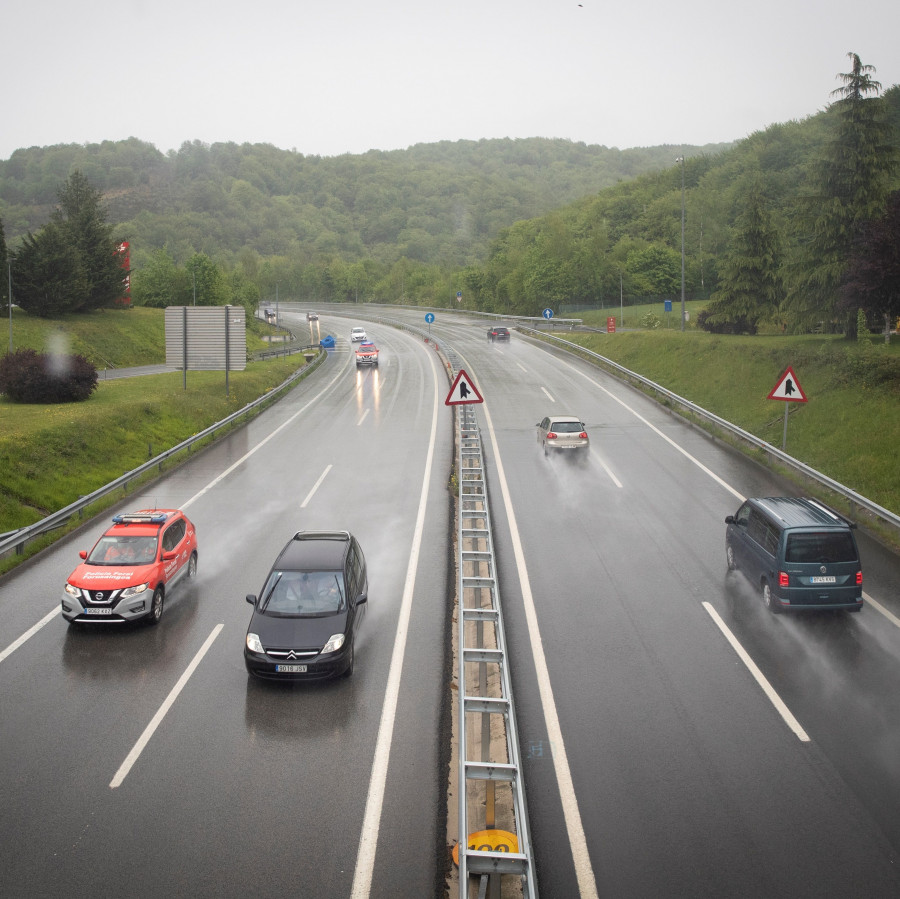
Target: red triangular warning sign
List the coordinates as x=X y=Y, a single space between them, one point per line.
x=462 y=392
x=788 y=388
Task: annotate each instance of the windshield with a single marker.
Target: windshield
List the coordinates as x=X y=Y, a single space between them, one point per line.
x=303 y=594
x=116 y=549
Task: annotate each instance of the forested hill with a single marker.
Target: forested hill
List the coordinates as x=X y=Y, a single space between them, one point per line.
x=438 y=204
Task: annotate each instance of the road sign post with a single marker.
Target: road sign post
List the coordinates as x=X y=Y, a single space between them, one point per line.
x=788 y=390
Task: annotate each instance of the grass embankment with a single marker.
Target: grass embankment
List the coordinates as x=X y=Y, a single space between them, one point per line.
x=52 y=454
x=850 y=427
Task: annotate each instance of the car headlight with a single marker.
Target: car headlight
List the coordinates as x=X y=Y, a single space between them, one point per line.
x=335 y=642
x=254 y=645
x=72 y=591
x=128 y=592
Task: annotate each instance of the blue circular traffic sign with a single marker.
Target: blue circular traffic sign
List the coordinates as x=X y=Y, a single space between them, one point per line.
x=429 y=317
x=547 y=313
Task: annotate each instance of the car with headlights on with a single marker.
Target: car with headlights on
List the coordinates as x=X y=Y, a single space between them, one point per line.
x=366 y=354
x=132 y=569
x=358 y=335
x=306 y=618
x=563 y=435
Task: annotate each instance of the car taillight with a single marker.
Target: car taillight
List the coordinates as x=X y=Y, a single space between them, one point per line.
x=551 y=435
x=583 y=435
x=859 y=579
x=783 y=579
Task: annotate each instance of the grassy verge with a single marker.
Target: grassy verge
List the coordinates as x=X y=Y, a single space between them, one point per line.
x=51 y=455
x=849 y=429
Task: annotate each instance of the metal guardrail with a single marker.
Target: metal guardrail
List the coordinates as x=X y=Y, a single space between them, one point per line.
x=491 y=788
x=16 y=540
x=855 y=500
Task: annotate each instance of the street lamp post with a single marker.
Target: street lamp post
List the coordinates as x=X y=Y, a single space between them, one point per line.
x=681 y=160
x=276 y=304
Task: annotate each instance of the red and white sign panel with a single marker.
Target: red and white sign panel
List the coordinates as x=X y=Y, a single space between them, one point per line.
x=463 y=392
x=788 y=389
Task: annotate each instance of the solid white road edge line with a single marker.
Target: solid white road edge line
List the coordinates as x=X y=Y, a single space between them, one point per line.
x=29 y=633
x=760 y=678
x=315 y=486
x=584 y=873
x=150 y=729
x=368 y=838
x=657 y=431
x=875 y=605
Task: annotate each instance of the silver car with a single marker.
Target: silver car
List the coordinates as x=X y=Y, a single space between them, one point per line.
x=564 y=434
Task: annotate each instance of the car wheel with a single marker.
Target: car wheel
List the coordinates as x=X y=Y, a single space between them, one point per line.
x=192 y=567
x=348 y=671
x=156 y=607
x=768 y=599
x=729 y=557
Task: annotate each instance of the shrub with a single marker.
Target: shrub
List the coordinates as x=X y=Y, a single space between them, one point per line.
x=30 y=377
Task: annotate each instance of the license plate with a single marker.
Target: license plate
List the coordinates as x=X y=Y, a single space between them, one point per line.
x=98 y=611
x=823 y=580
x=291 y=669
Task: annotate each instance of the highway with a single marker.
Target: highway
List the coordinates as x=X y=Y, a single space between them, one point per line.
x=143 y=762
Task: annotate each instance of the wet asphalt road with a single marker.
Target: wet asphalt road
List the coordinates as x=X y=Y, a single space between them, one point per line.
x=687 y=781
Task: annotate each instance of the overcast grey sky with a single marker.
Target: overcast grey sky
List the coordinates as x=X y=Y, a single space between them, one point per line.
x=347 y=76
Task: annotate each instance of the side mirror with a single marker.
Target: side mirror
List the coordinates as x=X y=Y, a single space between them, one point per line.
x=83 y=554
x=729 y=519
x=251 y=598
x=363 y=597
x=167 y=557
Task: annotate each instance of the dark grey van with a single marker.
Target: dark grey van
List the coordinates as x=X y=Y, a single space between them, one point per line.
x=800 y=554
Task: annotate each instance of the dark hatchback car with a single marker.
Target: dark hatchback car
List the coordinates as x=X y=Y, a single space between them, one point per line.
x=799 y=553
x=498 y=333
x=305 y=620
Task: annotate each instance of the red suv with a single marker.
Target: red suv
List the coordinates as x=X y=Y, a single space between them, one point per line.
x=131 y=569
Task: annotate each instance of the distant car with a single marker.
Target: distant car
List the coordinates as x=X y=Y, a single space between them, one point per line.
x=312 y=316
x=132 y=568
x=305 y=620
x=270 y=316
x=498 y=333
x=799 y=553
x=366 y=354
x=357 y=334
x=563 y=434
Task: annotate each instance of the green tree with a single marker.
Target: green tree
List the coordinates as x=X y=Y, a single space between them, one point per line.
x=4 y=271
x=72 y=264
x=44 y=269
x=749 y=278
x=207 y=282
x=873 y=277
x=850 y=183
x=656 y=270
x=160 y=283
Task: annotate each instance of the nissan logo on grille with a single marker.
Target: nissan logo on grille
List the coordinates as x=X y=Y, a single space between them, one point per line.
x=99 y=596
